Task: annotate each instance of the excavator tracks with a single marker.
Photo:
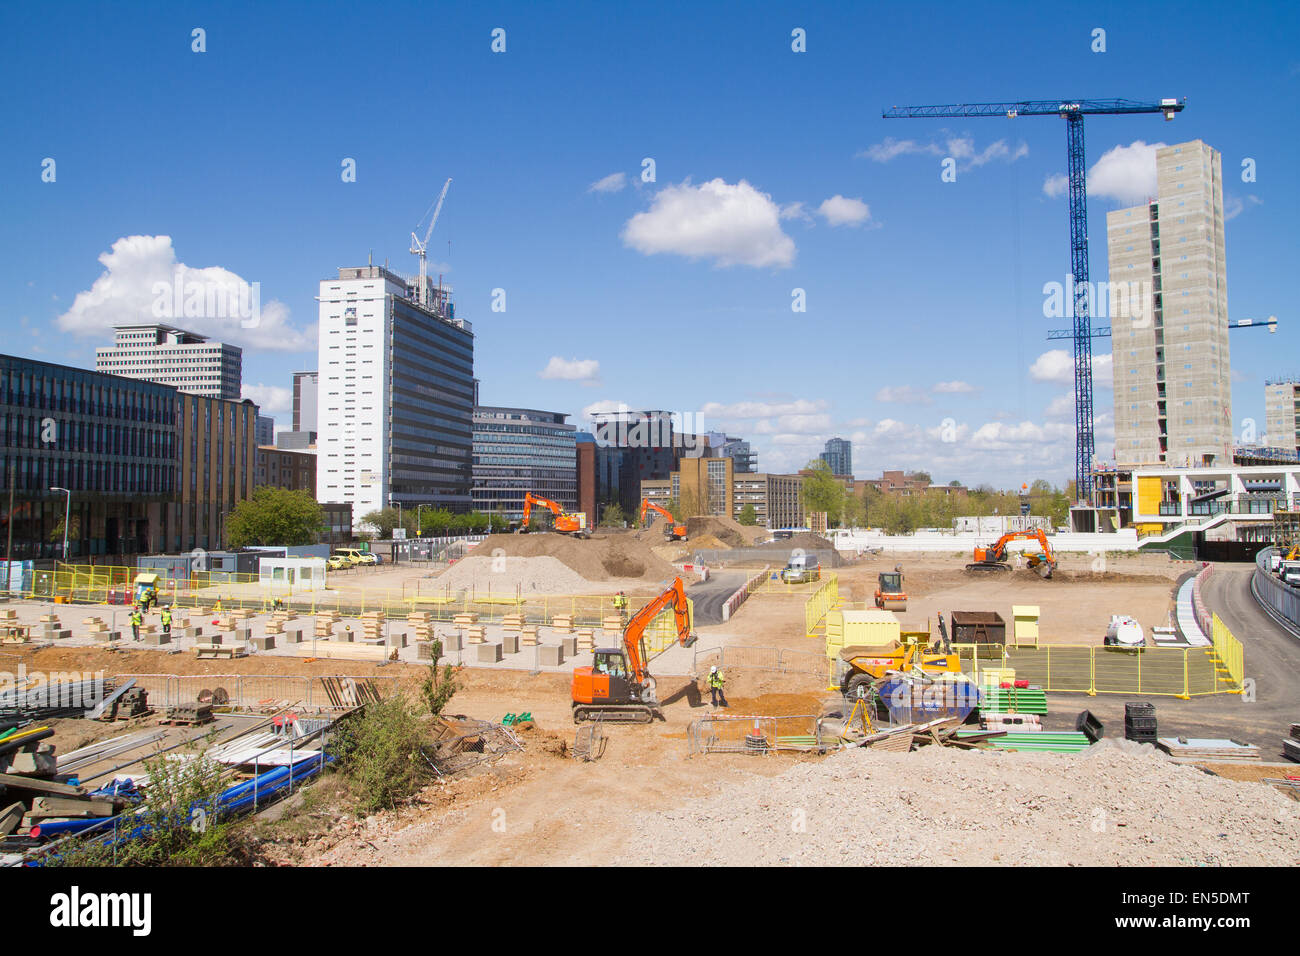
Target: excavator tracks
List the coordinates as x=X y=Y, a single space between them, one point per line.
x=622 y=713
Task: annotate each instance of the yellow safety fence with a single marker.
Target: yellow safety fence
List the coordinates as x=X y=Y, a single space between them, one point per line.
x=825 y=597
x=1087 y=669
x=772 y=586
x=662 y=632
x=206 y=591
x=1230 y=656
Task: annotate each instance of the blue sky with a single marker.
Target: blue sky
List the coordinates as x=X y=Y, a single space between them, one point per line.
x=924 y=299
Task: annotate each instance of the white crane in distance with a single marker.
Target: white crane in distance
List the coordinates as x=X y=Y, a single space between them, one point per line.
x=419 y=248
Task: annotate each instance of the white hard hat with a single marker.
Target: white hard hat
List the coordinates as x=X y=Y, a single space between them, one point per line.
x=713 y=668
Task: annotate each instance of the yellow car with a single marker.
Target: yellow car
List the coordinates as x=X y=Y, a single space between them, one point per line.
x=337 y=563
x=356 y=556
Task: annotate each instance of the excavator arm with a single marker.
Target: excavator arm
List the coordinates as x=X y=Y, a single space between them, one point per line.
x=672 y=529
x=996 y=554
x=531 y=499
x=633 y=634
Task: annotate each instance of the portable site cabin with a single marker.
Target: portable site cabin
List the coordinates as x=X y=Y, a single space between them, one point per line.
x=286 y=575
x=146 y=587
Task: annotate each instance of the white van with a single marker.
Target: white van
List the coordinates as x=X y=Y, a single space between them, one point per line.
x=801 y=569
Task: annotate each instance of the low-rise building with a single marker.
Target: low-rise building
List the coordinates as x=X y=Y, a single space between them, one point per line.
x=286 y=468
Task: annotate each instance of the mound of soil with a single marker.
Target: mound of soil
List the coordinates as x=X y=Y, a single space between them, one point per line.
x=599 y=558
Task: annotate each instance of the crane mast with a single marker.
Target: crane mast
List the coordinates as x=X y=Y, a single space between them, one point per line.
x=1073 y=112
x=420 y=248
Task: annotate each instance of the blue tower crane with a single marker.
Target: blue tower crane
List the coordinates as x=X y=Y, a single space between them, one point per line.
x=1073 y=112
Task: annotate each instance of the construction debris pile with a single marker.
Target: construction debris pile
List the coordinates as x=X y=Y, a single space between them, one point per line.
x=461 y=742
x=548 y=563
x=947 y=805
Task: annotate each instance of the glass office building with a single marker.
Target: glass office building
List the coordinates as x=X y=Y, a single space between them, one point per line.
x=110 y=441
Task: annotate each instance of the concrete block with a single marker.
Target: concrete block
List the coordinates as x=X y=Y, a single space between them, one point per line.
x=489 y=653
x=107 y=636
x=266 y=643
x=570 y=645
x=453 y=642
x=424 y=650
x=510 y=643
x=156 y=640
x=551 y=654
x=294 y=635
x=41 y=763
x=396 y=637
x=194 y=631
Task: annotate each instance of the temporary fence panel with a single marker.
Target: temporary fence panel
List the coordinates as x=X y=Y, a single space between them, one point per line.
x=825 y=597
x=756 y=734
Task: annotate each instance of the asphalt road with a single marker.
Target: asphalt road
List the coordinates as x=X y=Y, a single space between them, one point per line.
x=1272 y=661
x=709 y=596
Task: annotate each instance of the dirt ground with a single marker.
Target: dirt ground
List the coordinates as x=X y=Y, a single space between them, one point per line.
x=541 y=806
x=1075 y=605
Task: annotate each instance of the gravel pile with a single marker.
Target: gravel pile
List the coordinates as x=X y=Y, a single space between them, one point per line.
x=603 y=557
x=540 y=575
x=941 y=806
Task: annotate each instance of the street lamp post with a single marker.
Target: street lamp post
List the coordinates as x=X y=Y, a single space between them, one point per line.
x=67 y=513
x=418 y=527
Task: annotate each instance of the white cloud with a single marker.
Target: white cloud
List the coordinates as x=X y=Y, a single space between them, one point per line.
x=602 y=406
x=572 y=370
x=960 y=148
x=842 y=211
x=1057 y=365
x=270 y=399
x=1061 y=407
x=903 y=394
x=795 y=210
x=1125 y=173
x=1234 y=206
x=730 y=224
x=891 y=148
x=609 y=184
x=1055 y=185
x=793 y=424
x=955 y=388
x=751 y=410
x=1001 y=436
x=137 y=286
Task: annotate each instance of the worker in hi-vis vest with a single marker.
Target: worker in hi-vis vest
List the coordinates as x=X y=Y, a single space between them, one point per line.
x=716 y=681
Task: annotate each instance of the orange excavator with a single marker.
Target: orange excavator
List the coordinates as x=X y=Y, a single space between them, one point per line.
x=566 y=522
x=994 y=558
x=672 y=530
x=617 y=685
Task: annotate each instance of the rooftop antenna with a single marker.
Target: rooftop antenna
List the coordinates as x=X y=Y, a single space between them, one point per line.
x=419 y=248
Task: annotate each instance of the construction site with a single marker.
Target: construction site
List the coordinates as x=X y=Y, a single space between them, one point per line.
x=993 y=708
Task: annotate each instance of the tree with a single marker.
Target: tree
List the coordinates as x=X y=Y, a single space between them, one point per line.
x=613 y=516
x=386 y=519
x=821 y=492
x=748 y=515
x=435 y=521
x=275 y=516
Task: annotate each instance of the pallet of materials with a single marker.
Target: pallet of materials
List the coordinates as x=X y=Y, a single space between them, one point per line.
x=1017 y=700
x=344 y=650
x=1060 y=742
x=1190 y=749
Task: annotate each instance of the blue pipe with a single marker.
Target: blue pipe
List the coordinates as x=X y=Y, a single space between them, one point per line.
x=229 y=801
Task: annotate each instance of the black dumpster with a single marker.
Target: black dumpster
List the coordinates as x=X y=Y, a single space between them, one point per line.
x=978 y=627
